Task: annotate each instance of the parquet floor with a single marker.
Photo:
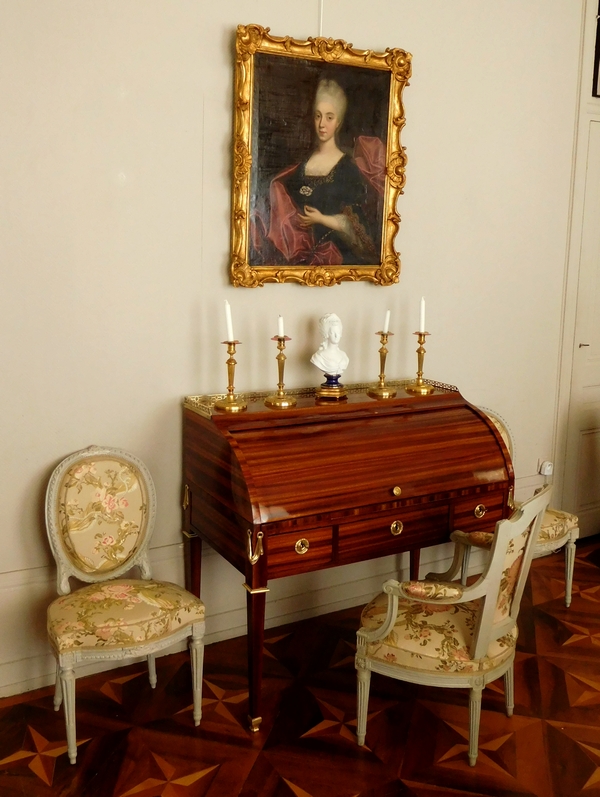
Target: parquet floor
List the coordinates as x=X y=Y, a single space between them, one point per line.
x=136 y=742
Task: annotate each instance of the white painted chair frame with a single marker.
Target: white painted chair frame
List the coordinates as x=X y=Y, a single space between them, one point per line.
x=543 y=546
x=67 y=661
x=486 y=589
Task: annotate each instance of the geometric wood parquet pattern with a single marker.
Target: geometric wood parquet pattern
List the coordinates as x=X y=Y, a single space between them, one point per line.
x=137 y=742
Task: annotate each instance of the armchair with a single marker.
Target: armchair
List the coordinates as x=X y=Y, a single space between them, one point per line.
x=100 y=510
x=442 y=633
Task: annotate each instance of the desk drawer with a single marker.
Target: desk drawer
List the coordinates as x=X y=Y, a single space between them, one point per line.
x=391 y=532
x=478 y=512
x=298 y=552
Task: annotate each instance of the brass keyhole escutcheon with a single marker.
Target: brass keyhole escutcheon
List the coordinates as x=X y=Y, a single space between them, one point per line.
x=479 y=511
x=396 y=527
x=397 y=491
x=302 y=546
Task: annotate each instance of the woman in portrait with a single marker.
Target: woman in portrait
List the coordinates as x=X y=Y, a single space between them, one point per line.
x=317 y=207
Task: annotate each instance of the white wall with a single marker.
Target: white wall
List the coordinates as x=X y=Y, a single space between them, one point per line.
x=115 y=158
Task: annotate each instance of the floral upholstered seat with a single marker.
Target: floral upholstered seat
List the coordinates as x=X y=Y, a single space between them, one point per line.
x=120 y=612
x=443 y=633
x=100 y=511
x=557 y=525
x=432 y=637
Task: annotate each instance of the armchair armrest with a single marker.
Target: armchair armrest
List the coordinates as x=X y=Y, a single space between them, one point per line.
x=463 y=543
x=418 y=592
x=476 y=539
x=440 y=592
x=430 y=591
x=461 y=549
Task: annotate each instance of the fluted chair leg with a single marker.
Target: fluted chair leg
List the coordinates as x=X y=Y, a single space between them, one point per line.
x=509 y=690
x=57 y=689
x=152 y=670
x=569 y=567
x=197 y=661
x=67 y=678
x=474 y=719
x=363 y=685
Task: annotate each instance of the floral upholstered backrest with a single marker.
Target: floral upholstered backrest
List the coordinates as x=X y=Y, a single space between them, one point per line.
x=516 y=547
x=503 y=580
x=99 y=513
x=513 y=562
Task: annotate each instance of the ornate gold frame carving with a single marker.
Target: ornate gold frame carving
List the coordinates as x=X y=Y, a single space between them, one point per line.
x=253 y=39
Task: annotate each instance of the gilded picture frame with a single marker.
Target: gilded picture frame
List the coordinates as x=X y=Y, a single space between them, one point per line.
x=318 y=163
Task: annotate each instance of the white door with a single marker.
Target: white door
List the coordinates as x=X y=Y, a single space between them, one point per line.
x=582 y=471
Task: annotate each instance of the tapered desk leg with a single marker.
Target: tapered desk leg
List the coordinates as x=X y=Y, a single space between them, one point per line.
x=195 y=565
x=415 y=558
x=255 y=607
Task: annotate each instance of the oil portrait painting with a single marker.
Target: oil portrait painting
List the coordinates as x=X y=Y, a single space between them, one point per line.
x=318 y=162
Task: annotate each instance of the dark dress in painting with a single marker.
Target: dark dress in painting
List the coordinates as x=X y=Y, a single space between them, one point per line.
x=349 y=191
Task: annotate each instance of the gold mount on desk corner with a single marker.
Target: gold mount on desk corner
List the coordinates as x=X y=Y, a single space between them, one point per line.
x=254 y=724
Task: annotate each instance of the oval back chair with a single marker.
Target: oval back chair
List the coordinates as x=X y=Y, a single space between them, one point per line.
x=100 y=511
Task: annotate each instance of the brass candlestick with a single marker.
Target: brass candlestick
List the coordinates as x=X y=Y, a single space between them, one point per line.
x=381 y=391
x=280 y=400
x=418 y=386
x=231 y=403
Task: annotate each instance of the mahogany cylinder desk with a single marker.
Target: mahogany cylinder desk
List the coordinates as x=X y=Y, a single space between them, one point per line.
x=278 y=492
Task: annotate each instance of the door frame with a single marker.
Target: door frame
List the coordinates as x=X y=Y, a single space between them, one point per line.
x=588 y=109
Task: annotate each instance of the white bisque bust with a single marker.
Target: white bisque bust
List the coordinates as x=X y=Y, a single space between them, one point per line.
x=329 y=358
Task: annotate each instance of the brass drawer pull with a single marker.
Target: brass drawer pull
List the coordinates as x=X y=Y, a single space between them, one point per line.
x=479 y=511
x=302 y=546
x=396 y=527
x=397 y=491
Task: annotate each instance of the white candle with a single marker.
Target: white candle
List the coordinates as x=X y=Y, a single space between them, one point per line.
x=386 y=323
x=422 y=315
x=280 y=331
x=228 y=320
